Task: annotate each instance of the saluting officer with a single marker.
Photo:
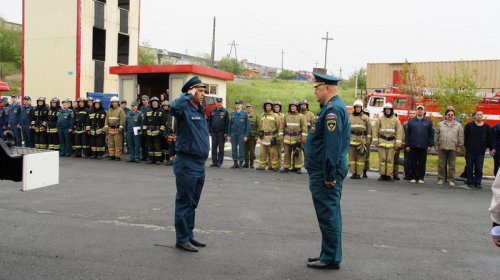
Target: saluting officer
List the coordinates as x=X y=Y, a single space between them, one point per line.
x=97 y=119
x=326 y=150
x=154 y=127
x=218 y=123
x=65 y=122
x=133 y=126
x=293 y=129
x=267 y=134
x=113 y=125
x=361 y=137
x=39 y=123
x=14 y=120
x=238 y=131
x=189 y=164
x=25 y=123
x=252 y=137
x=52 y=116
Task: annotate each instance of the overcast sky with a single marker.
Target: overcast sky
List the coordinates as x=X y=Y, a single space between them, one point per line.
x=363 y=31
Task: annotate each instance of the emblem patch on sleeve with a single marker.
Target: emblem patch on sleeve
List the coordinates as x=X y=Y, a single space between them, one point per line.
x=331 y=124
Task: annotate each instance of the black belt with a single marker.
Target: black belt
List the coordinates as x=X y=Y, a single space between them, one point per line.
x=114 y=126
x=360 y=133
x=387 y=138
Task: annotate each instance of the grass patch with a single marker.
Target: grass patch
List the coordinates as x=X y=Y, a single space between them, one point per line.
x=9 y=68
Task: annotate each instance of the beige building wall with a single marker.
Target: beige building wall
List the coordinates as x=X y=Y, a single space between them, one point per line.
x=380 y=74
x=50 y=49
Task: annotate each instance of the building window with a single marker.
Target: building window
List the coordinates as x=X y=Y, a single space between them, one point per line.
x=123 y=21
x=124 y=4
x=212 y=89
x=99 y=15
x=99 y=76
x=123 y=48
x=102 y=1
x=99 y=44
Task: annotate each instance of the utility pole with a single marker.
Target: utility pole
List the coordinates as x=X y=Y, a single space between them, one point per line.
x=213 y=47
x=233 y=44
x=356 y=86
x=340 y=71
x=326 y=47
x=282 y=52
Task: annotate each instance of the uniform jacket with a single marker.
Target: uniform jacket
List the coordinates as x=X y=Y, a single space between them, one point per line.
x=387 y=132
x=495 y=200
x=52 y=116
x=192 y=128
x=65 y=119
x=239 y=123
x=218 y=120
x=26 y=113
x=327 y=143
x=14 y=114
x=97 y=119
x=310 y=118
x=420 y=133
x=293 y=129
x=361 y=130
x=133 y=119
x=269 y=124
x=115 y=119
x=449 y=137
x=281 y=119
x=39 y=118
x=154 y=122
x=254 y=121
x=3 y=118
x=81 y=119
x=495 y=138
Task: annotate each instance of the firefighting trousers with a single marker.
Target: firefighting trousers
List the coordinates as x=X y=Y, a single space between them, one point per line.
x=41 y=140
x=97 y=144
x=28 y=137
x=115 y=144
x=356 y=161
x=82 y=144
x=65 y=141
x=290 y=152
x=250 y=148
x=386 y=161
x=367 y=161
x=397 y=163
x=53 y=141
x=268 y=152
x=154 y=147
x=144 y=147
x=189 y=180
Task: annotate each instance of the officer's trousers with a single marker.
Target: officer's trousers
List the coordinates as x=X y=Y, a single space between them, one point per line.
x=386 y=161
x=273 y=156
x=356 y=161
x=65 y=141
x=134 y=143
x=28 y=137
x=154 y=147
x=218 y=147
x=53 y=141
x=41 y=140
x=144 y=147
x=237 y=146
x=97 y=144
x=81 y=143
x=289 y=154
x=115 y=142
x=250 y=148
x=189 y=179
x=327 y=205
x=17 y=134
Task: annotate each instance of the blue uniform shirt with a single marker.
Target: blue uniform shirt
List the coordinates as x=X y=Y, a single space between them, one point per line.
x=239 y=123
x=14 y=114
x=218 y=120
x=133 y=119
x=65 y=118
x=3 y=118
x=26 y=112
x=192 y=128
x=327 y=143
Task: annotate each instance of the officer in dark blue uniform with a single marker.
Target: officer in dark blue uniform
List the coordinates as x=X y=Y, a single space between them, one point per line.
x=189 y=164
x=218 y=125
x=326 y=150
x=14 y=119
x=25 y=123
x=3 y=116
x=65 y=121
x=239 y=126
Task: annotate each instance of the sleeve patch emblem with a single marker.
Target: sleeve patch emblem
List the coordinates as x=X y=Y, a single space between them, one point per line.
x=331 y=124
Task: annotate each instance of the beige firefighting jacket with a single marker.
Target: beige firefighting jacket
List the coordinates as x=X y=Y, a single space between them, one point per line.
x=361 y=130
x=387 y=132
x=293 y=129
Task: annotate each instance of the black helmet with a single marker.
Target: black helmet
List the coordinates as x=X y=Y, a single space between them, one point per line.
x=41 y=99
x=268 y=102
x=55 y=100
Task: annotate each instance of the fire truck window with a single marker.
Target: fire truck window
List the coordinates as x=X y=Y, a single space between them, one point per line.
x=400 y=103
x=377 y=102
x=209 y=100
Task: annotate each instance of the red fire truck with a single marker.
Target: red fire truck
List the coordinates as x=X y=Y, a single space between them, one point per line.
x=3 y=87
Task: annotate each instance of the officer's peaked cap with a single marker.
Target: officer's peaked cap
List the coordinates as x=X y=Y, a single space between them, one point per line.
x=134 y=103
x=238 y=101
x=219 y=99
x=192 y=83
x=321 y=79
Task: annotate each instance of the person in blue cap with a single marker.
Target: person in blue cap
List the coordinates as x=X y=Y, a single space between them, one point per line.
x=14 y=119
x=144 y=107
x=189 y=164
x=326 y=149
x=3 y=115
x=218 y=122
x=65 y=121
x=239 y=126
x=133 y=126
x=25 y=123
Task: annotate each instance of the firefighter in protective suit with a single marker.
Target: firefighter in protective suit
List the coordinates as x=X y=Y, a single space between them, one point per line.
x=114 y=124
x=277 y=107
x=95 y=127
x=304 y=110
x=268 y=133
x=361 y=136
x=39 y=123
x=387 y=136
x=154 y=126
x=293 y=129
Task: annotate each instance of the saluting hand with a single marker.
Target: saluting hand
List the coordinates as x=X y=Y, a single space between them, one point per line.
x=330 y=184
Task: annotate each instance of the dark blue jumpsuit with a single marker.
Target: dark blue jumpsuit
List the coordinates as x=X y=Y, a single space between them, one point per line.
x=25 y=122
x=218 y=125
x=65 y=121
x=325 y=151
x=239 y=127
x=14 y=120
x=189 y=164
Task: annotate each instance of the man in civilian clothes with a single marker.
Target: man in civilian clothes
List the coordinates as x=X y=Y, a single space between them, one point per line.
x=477 y=138
x=419 y=141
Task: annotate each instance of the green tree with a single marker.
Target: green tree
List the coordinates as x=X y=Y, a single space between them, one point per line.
x=146 y=56
x=10 y=44
x=288 y=75
x=230 y=65
x=351 y=82
x=411 y=83
x=457 y=89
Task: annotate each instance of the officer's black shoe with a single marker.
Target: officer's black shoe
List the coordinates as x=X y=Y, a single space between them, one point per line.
x=219 y=164
x=285 y=170
x=152 y=162
x=353 y=176
x=131 y=160
x=186 y=247
x=235 y=164
x=389 y=178
x=364 y=174
x=246 y=164
x=197 y=243
x=93 y=157
x=478 y=187
x=213 y=165
x=241 y=164
x=321 y=265
x=312 y=259
x=111 y=158
x=251 y=164
x=396 y=178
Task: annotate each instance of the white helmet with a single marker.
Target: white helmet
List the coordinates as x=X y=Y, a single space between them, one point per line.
x=388 y=105
x=357 y=103
x=114 y=99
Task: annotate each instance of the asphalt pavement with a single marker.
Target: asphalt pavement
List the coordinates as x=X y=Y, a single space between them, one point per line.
x=104 y=218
